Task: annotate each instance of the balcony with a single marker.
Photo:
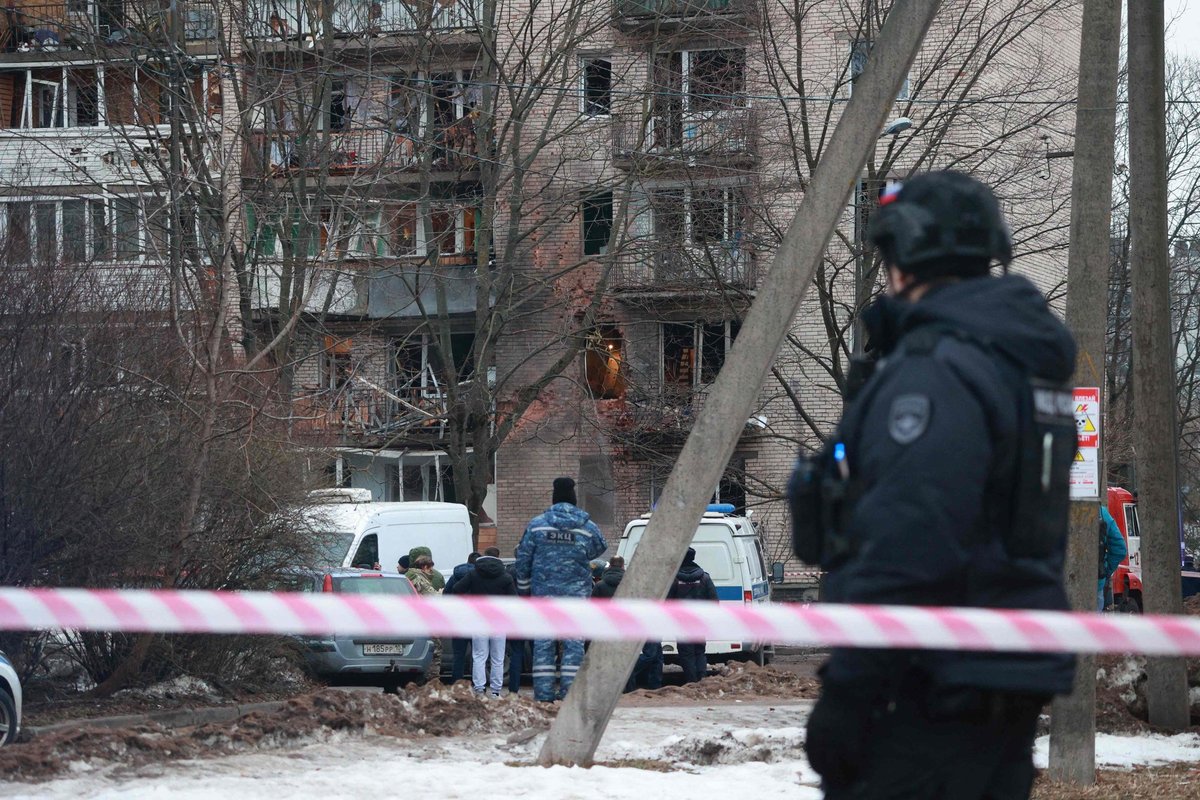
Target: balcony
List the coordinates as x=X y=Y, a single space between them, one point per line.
x=93 y=156
x=656 y=267
x=86 y=24
x=281 y=20
x=355 y=152
x=362 y=411
x=672 y=15
x=686 y=138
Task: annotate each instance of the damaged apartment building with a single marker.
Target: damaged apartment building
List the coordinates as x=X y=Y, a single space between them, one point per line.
x=513 y=241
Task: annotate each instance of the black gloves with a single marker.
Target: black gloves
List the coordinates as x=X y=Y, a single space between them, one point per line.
x=837 y=733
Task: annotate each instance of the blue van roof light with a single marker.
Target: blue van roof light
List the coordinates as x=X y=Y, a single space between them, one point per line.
x=721 y=508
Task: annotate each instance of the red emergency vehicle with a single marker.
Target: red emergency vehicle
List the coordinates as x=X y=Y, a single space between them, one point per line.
x=1127 y=580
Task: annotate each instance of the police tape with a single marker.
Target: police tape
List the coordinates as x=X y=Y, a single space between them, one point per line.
x=818 y=625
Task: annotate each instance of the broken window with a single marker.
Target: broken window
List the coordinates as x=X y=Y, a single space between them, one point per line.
x=670 y=215
x=420 y=369
x=597 y=87
x=597 y=213
x=687 y=83
x=678 y=354
x=716 y=79
x=404 y=230
x=693 y=353
x=602 y=363
x=461 y=353
x=336 y=365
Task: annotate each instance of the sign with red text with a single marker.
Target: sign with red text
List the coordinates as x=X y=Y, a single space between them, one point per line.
x=1085 y=469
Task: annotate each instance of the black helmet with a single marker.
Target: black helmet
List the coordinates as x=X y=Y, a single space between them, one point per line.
x=941 y=224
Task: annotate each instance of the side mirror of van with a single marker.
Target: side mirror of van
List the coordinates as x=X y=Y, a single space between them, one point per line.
x=777 y=572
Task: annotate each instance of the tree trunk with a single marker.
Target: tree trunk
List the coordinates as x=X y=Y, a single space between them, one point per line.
x=1073 y=721
x=1153 y=352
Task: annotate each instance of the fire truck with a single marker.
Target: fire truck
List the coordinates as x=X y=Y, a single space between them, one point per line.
x=1127 y=580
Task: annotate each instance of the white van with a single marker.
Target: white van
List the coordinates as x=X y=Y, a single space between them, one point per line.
x=728 y=549
x=358 y=531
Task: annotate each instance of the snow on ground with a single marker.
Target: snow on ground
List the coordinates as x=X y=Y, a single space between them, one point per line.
x=712 y=750
x=1123 y=752
x=717 y=749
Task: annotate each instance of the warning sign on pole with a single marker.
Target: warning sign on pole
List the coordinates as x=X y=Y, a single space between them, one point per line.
x=1085 y=469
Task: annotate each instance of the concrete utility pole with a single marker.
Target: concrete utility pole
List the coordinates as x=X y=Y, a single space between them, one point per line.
x=1073 y=718
x=576 y=732
x=1153 y=353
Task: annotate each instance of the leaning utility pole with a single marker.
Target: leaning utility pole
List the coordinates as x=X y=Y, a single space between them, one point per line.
x=1073 y=718
x=576 y=731
x=1153 y=353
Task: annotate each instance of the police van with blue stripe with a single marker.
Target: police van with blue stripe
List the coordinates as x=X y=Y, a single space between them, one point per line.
x=729 y=550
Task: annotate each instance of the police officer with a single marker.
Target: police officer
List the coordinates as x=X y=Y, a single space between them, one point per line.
x=945 y=484
x=553 y=560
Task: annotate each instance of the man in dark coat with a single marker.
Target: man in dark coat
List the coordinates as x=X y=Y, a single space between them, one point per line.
x=458 y=647
x=648 y=670
x=489 y=577
x=610 y=579
x=692 y=583
x=927 y=465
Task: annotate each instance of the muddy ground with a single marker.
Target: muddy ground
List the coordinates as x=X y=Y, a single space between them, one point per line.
x=418 y=712
x=1175 y=782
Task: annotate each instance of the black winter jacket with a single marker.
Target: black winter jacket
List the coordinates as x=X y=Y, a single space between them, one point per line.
x=488 y=577
x=932 y=442
x=608 y=583
x=692 y=583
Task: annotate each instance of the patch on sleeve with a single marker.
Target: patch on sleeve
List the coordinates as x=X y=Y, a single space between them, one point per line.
x=908 y=418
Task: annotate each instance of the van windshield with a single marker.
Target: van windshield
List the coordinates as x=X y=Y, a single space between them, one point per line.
x=361 y=584
x=332 y=547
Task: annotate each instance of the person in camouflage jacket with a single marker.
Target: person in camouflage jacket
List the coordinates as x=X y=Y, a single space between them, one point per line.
x=553 y=561
x=421 y=577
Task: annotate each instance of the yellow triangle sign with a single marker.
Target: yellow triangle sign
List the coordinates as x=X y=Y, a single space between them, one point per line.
x=1087 y=426
x=1079 y=455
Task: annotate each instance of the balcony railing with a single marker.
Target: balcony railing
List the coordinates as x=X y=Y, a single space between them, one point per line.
x=287 y=19
x=667 y=13
x=716 y=134
x=81 y=24
x=354 y=151
x=658 y=266
x=362 y=408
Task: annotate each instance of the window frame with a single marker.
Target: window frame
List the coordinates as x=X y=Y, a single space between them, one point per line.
x=729 y=330
x=733 y=202
x=595 y=109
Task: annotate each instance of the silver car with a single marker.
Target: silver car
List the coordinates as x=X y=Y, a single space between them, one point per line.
x=10 y=702
x=386 y=661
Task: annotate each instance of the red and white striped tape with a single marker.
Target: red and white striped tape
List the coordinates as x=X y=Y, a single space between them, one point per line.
x=630 y=620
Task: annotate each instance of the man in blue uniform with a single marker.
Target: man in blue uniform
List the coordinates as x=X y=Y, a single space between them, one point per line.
x=945 y=484
x=553 y=561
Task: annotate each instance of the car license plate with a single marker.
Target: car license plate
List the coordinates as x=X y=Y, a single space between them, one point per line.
x=383 y=649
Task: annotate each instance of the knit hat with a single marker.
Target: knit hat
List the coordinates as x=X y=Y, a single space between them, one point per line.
x=564 y=491
x=690 y=557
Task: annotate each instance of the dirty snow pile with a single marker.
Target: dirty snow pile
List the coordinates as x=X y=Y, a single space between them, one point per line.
x=692 y=751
